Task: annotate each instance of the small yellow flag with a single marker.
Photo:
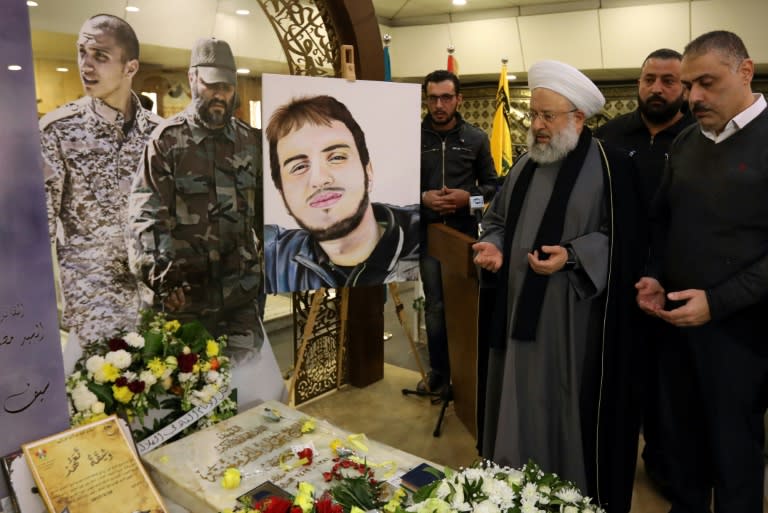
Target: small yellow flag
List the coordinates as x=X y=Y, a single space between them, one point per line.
x=501 y=139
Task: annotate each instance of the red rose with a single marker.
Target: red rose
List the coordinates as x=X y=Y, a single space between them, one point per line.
x=136 y=387
x=306 y=453
x=327 y=476
x=117 y=343
x=273 y=504
x=296 y=509
x=326 y=505
x=121 y=381
x=187 y=361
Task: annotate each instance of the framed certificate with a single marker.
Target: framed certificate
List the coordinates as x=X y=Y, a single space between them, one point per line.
x=91 y=469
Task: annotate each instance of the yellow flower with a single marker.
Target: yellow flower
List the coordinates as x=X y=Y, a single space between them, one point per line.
x=394 y=502
x=205 y=367
x=110 y=372
x=171 y=361
x=355 y=509
x=304 y=498
x=308 y=426
x=156 y=366
x=122 y=394
x=231 y=479
x=211 y=348
x=172 y=326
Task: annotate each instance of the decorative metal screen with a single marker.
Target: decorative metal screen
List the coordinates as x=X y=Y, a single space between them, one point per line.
x=306 y=35
x=319 y=368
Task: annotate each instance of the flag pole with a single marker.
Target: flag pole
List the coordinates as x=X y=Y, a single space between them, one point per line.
x=387 y=59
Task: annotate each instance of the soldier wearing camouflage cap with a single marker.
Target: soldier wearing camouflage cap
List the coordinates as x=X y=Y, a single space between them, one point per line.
x=91 y=148
x=195 y=208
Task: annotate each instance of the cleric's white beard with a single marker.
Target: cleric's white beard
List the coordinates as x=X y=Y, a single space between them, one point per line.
x=561 y=143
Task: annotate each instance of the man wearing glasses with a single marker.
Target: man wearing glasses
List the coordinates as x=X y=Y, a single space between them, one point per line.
x=561 y=387
x=456 y=163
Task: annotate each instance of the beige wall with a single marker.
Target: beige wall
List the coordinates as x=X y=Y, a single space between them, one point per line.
x=54 y=88
x=603 y=39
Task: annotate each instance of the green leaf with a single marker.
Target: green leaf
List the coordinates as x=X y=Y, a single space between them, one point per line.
x=104 y=393
x=153 y=345
x=425 y=492
x=194 y=335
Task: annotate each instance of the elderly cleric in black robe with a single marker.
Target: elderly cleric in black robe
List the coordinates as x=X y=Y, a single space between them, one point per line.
x=560 y=384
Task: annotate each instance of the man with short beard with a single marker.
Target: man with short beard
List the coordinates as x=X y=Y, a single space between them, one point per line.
x=196 y=208
x=456 y=163
x=647 y=134
x=560 y=387
x=662 y=113
x=320 y=163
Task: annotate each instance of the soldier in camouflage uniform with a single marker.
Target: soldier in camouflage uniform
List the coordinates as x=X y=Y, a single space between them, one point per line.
x=91 y=148
x=195 y=208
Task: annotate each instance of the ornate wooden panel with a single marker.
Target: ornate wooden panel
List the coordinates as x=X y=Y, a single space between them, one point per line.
x=319 y=368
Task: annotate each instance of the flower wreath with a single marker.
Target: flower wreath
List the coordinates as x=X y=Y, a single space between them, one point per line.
x=164 y=366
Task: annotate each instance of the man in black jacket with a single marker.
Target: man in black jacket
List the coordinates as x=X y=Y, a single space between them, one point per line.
x=456 y=163
x=709 y=277
x=320 y=163
x=646 y=135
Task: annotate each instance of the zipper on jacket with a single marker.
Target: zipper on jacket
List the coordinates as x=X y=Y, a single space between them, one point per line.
x=443 y=161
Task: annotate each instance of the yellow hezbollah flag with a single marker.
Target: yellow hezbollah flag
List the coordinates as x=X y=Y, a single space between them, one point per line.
x=501 y=139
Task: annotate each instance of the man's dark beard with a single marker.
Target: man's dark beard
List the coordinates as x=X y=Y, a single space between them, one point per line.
x=211 y=119
x=338 y=229
x=443 y=123
x=659 y=113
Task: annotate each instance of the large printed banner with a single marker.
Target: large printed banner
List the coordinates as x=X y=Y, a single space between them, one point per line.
x=32 y=394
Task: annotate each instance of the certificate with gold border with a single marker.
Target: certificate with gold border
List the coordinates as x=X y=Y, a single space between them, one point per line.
x=91 y=469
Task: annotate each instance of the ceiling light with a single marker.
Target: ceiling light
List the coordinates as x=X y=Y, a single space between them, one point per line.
x=32 y=3
x=14 y=67
x=510 y=76
x=243 y=71
x=243 y=12
x=62 y=70
x=459 y=2
x=131 y=8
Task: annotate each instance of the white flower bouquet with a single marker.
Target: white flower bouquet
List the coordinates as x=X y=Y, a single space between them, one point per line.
x=490 y=488
x=165 y=367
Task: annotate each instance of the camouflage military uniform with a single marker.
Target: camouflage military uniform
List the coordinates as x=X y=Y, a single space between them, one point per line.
x=195 y=213
x=89 y=163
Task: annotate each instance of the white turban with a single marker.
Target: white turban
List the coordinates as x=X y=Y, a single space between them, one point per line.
x=566 y=80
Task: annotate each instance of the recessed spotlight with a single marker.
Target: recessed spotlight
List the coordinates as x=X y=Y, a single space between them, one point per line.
x=243 y=71
x=32 y=3
x=14 y=67
x=510 y=76
x=459 y=2
x=243 y=12
x=62 y=70
x=131 y=8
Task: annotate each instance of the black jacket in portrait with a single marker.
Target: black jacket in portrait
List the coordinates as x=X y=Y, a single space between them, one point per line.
x=294 y=261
